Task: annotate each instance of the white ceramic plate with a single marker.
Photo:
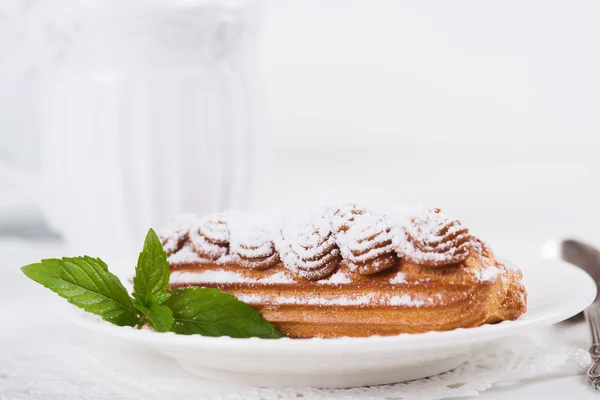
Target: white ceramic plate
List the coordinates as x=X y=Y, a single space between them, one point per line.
x=556 y=292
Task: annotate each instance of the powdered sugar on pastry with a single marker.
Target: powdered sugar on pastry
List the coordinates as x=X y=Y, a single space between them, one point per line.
x=311 y=243
x=431 y=238
x=308 y=249
x=252 y=242
x=210 y=276
x=339 y=278
x=343 y=217
x=348 y=300
x=488 y=274
x=399 y=278
x=209 y=237
x=223 y=276
x=369 y=237
x=186 y=255
x=367 y=245
x=277 y=278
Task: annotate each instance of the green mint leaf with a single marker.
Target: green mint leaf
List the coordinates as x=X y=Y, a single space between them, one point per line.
x=160 y=298
x=210 y=312
x=161 y=317
x=151 y=280
x=86 y=283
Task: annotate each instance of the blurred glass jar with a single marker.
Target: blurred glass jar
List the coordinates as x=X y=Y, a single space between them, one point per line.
x=148 y=112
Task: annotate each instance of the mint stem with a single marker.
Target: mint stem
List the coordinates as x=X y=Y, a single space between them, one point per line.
x=141 y=322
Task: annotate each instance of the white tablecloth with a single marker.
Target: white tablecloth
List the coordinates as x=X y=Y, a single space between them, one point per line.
x=33 y=318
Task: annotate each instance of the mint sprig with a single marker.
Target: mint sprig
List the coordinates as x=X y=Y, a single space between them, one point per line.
x=87 y=283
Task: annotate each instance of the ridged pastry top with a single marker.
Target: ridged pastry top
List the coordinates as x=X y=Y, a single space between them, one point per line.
x=308 y=248
x=433 y=239
x=251 y=242
x=367 y=245
x=313 y=243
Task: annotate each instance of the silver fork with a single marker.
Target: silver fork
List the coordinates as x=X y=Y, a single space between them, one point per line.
x=588 y=258
x=592 y=315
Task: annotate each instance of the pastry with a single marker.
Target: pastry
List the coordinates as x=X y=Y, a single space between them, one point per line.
x=367 y=244
x=251 y=243
x=308 y=248
x=210 y=237
x=348 y=271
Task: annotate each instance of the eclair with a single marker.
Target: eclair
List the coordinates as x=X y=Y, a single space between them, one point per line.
x=348 y=271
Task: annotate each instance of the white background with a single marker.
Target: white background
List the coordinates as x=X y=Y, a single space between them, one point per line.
x=487 y=109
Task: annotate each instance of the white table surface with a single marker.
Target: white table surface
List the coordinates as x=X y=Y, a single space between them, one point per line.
x=29 y=312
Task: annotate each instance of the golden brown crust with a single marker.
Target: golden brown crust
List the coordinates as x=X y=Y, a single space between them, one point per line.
x=438 y=299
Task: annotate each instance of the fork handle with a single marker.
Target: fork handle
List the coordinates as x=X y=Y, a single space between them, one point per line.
x=594 y=371
x=592 y=315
